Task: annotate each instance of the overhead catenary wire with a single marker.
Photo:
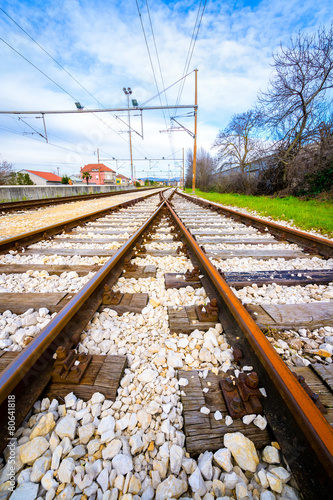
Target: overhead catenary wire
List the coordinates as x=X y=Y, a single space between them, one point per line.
x=194 y=38
x=149 y=55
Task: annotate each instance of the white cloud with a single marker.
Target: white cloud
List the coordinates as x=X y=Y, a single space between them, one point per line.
x=102 y=45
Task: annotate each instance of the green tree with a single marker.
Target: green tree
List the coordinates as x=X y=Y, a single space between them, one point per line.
x=86 y=176
x=65 y=179
x=20 y=179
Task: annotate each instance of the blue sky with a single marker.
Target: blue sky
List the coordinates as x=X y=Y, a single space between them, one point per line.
x=101 y=44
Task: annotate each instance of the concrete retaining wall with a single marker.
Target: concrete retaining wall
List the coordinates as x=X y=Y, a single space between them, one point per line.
x=18 y=193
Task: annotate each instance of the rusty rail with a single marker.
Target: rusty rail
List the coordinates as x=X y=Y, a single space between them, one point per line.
x=37 y=234
x=310 y=242
x=313 y=425
x=19 y=367
x=9 y=206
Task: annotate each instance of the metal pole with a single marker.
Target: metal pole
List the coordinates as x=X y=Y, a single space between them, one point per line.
x=183 y=172
x=130 y=136
x=195 y=129
x=99 y=168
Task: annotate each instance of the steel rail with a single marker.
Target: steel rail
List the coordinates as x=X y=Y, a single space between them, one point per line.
x=19 y=367
x=35 y=202
x=314 y=426
x=316 y=243
x=37 y=234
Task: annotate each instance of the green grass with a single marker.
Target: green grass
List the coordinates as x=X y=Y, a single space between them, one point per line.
x=307 y=215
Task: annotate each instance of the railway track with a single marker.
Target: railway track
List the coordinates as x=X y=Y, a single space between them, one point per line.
x=127 y=357
x=11 y=206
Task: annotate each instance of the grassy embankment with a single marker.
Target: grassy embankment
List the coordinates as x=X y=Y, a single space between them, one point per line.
x=307 y=215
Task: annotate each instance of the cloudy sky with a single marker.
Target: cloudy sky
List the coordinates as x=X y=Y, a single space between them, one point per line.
x=100 y=47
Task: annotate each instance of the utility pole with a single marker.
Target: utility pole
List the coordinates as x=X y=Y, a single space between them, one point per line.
x=195 y=129
x=128 y=92
x=99 y=168
x=183 y=172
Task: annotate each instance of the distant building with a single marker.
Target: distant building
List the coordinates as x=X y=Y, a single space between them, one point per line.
x=42 y=177
x=100 y=173
x=122 y=180
x=141 y=182
x=76 y=179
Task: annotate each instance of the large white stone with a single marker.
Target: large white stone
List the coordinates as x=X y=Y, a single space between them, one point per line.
x=197 y=483
x=275 y=483
x=112 y=449
x=86 y=432
x=106 y=424
x=48 y=482
x=170 y=488
x=56 y=456
x=43 y=426
x=136 y=444
x=40 y=467
x=174 y=360
x=223 y=458
x=230 y=480
x=144 y=419
x=281 y=473
x=103 y=479
x=205 y=465
x=147 y=376
x=243 y=450
x=267 y=495
x=66 y=470
x=123 y=464
x=32 y=450
x=66 y=427
x=27 y=491
x=270 y=455
x=176 y=456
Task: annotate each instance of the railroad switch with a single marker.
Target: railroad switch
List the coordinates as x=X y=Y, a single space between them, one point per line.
x=242 y=394
x=192 y=275
x=209 y=313
x=310 y=393
x=111 y=298
x=69 y=367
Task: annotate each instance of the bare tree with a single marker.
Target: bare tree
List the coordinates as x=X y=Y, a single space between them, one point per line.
x=237 y=144
x=297 y=100
x=6 y=171
x=205 y=168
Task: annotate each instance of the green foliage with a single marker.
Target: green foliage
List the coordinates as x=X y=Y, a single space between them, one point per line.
x=20 y=179
x=305 y=214
x=65 y=179
x=137 y=184
x=319 y=181
x=86 y=176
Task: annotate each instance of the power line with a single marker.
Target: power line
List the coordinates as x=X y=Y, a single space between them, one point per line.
x=149 y=55
x=42 y=72
x=194 y=38
x=46 y=52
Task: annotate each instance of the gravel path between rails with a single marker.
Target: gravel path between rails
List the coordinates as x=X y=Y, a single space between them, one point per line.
x=18 y=223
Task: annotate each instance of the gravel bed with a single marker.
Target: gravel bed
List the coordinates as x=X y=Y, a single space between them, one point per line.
x=17 y=330
x=302 y=347
x=249 y=264
x=42 y=282
x=14 y=224
x=58 y=260
x=134 y=447
x=280 y=294
x=243 y=246
x=54 y=244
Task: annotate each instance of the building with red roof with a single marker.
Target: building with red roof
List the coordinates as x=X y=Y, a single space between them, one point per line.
x=42 y=177
x=123 y=180
x=100 y=173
